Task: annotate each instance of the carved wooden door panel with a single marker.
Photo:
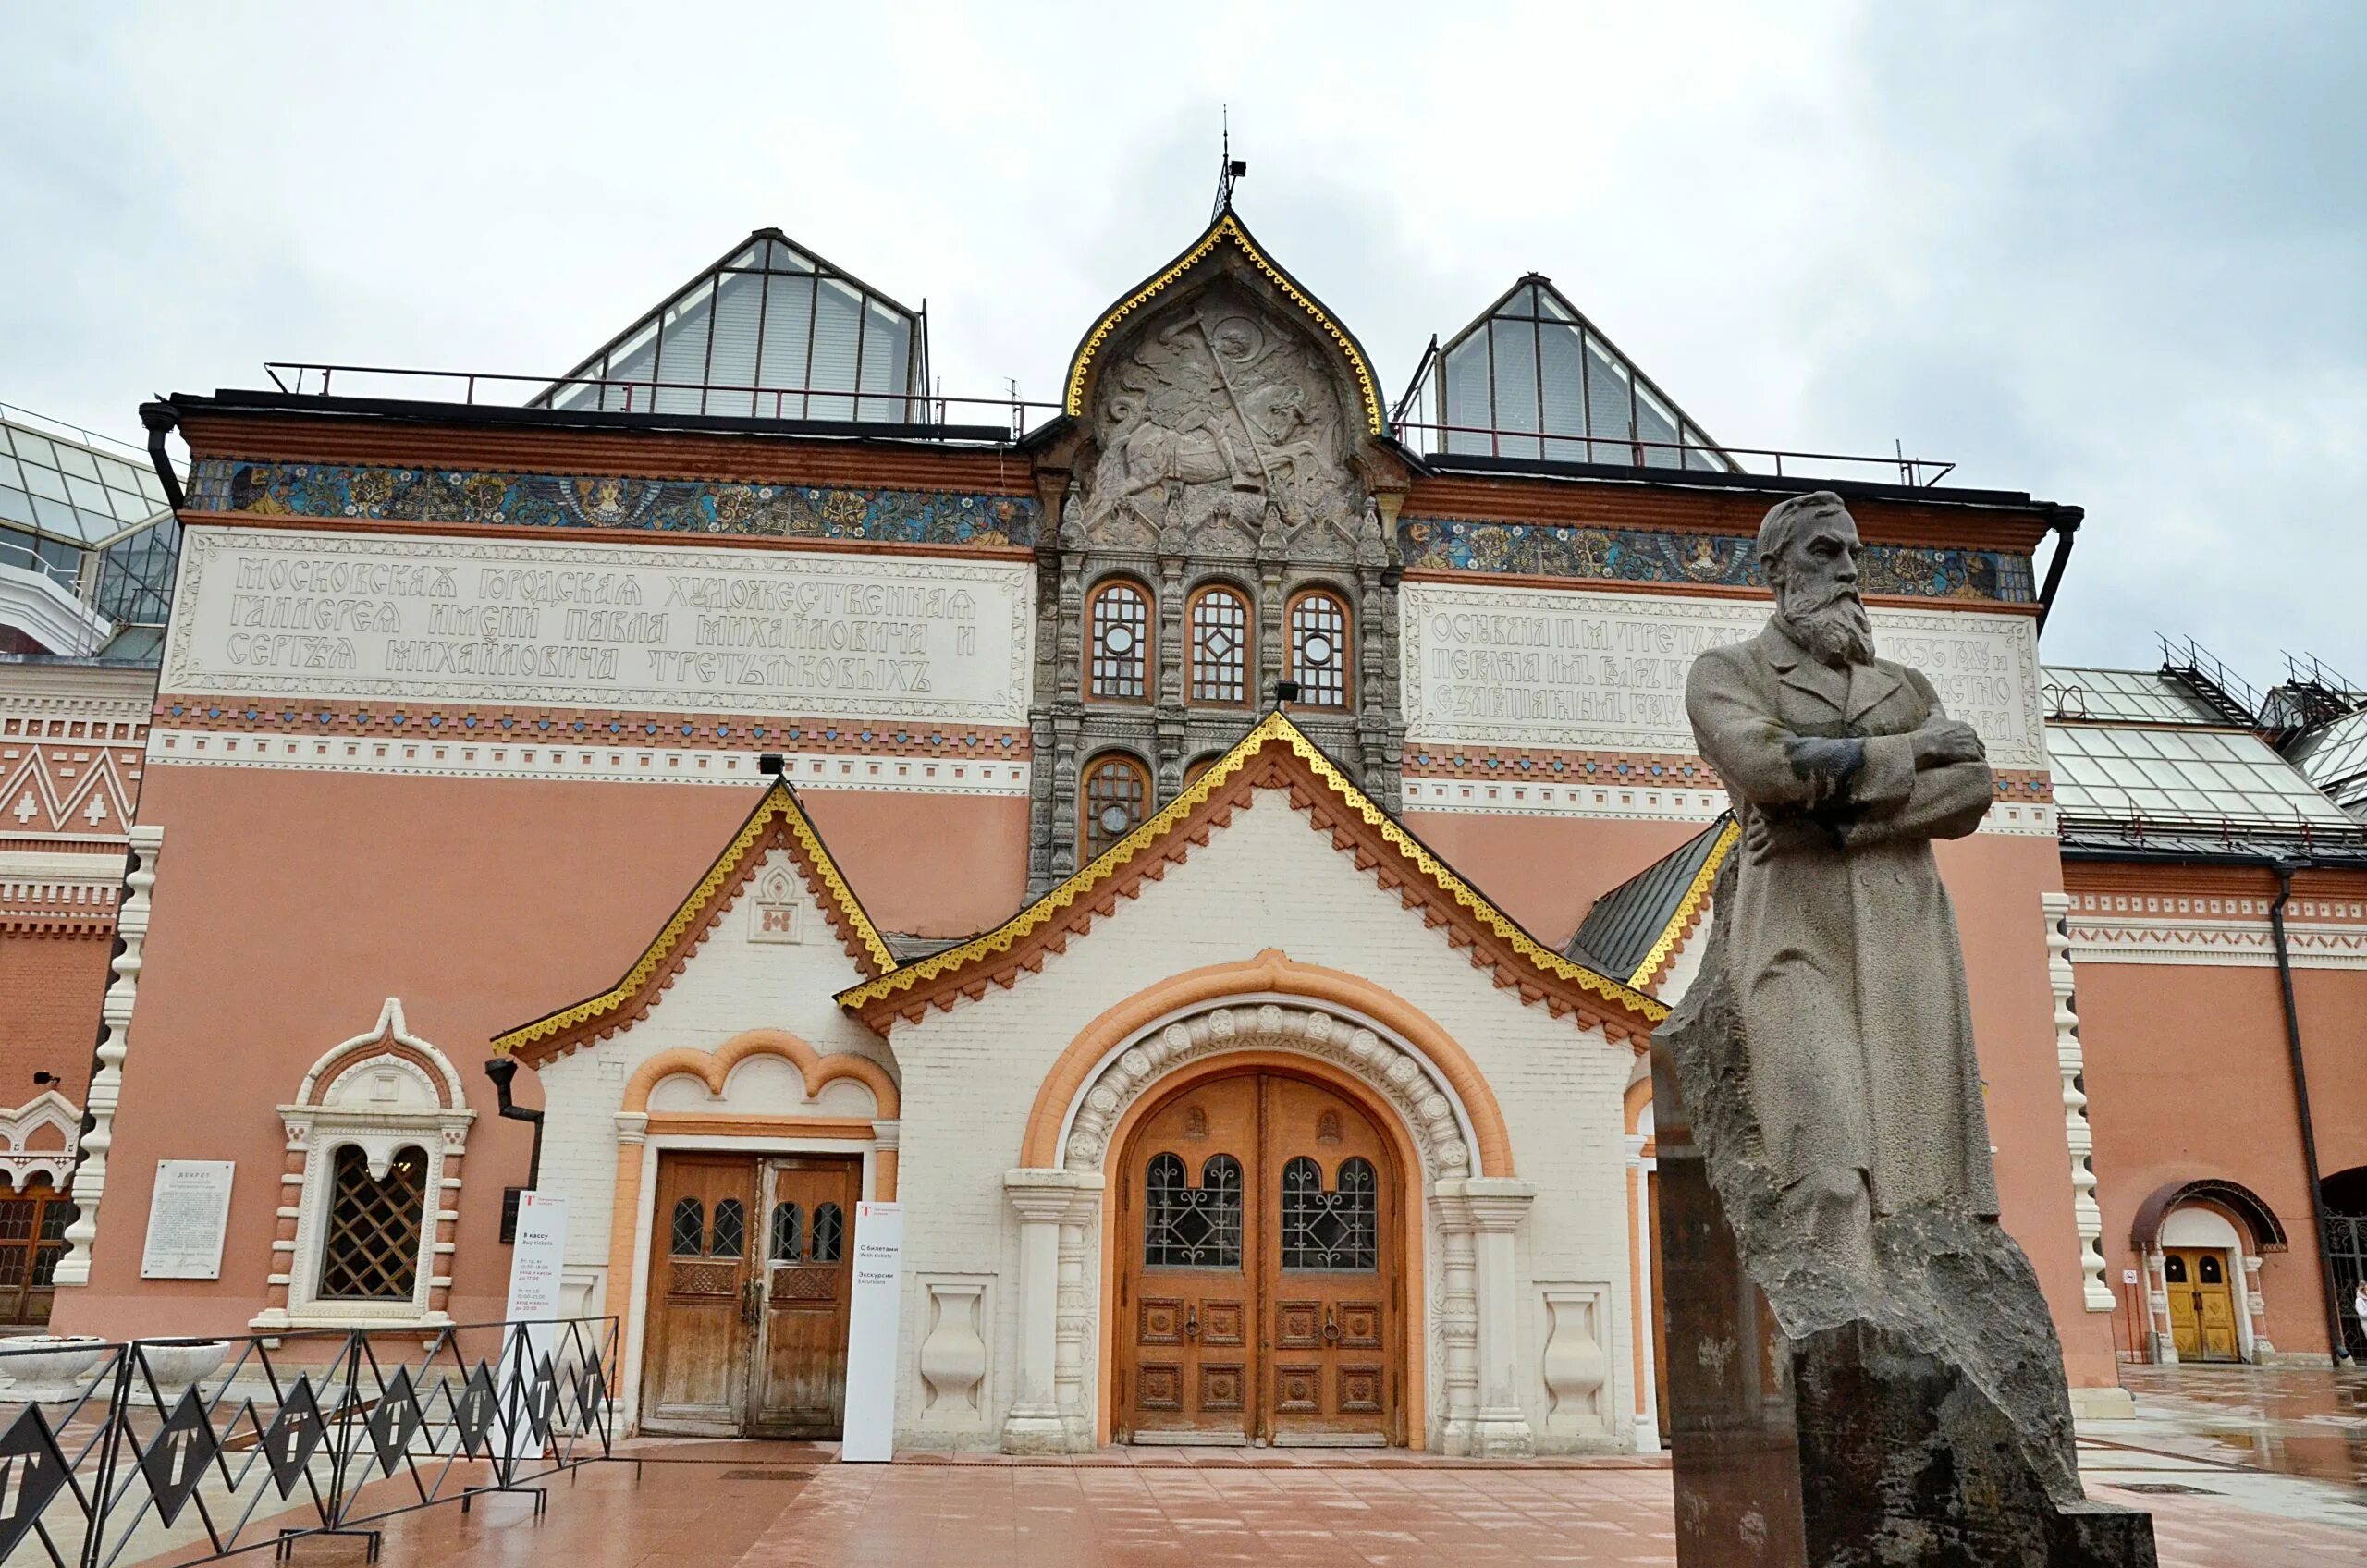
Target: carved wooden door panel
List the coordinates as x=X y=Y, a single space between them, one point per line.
x=1331 y=1199
x=2211 y=1307
x=1185 y=1308
x=701 y=1306
x=800 y=1383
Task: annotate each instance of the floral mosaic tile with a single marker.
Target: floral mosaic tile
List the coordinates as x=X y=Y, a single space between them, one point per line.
x=1621 y=555
x=543 y=500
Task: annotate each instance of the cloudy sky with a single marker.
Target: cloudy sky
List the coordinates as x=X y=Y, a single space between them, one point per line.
x=2111 y=262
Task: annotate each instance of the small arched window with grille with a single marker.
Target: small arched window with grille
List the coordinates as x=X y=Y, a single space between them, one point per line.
x=1188 y=1227
x=370 y=1250
x=829 y=1234
x=1318 y=631
x=1118 y=655
x=1219 y=629
x=731 y=1235
x=1117 y=798
x=785 y=1229
x=1333 y=1232
x=689 y=1228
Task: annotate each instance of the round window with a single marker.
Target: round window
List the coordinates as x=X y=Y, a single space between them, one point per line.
x=1317 y=649
x=1115 y=819
x=1117 y=640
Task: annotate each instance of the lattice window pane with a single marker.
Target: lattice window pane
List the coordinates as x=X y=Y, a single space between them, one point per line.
x=786 y=1220
x=1334 y=1231
x=1120 y=654
x=689 y=1228
x=370 y=1251
x=829 y=1234
x=1320 y=650
x=1188 y=1227
x=1219 y=647
x=730 y=1237
x=1117 y=798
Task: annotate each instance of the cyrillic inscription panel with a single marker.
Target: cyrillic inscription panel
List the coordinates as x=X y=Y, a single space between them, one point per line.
x=1541 y=667
x=804 y=632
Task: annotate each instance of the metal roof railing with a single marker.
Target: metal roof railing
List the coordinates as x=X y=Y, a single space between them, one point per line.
x=479 y=389
x=1634 y=452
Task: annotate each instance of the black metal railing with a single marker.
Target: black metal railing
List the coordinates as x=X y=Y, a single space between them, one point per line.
x=111 y=1454
x=643 y=396
x=1633 y=452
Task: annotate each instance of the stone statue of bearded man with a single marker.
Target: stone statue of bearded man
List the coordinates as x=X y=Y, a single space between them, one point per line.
x=1843 y=951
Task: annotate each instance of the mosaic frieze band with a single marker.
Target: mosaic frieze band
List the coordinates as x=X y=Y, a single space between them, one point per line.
x=1624 y=555
x=550 y=500
x=919 y=517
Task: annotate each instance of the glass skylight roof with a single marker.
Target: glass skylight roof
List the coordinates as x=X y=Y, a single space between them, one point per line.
x=2182 y=775
x=2335 y=759
x=92 y=518
x=1533 y=378
x=2140 y=697
x=770 y=332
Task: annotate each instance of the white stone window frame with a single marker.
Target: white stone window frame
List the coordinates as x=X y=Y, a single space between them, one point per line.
x=333 y=1110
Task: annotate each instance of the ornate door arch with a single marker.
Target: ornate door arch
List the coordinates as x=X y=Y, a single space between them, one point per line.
x=1259 y=1281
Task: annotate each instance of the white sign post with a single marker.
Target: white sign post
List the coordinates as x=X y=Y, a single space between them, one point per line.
x=189 y=1212
x=536 y=1260
x=871 y=1334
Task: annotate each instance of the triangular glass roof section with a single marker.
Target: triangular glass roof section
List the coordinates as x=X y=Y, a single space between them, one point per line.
x=769 y=330
x=1532 y=377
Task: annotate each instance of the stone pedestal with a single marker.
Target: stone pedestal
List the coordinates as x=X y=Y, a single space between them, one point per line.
x=1821 y=1417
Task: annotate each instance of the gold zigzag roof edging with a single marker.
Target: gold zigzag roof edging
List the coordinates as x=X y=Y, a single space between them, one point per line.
x=1688 y=906
x=1274 y=726
x=1226 y=227
x=779 y=805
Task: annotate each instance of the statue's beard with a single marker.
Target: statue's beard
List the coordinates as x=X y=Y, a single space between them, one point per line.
x=1834 y=630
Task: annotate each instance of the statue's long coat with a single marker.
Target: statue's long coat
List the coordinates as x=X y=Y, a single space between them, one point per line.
x=1841 y=943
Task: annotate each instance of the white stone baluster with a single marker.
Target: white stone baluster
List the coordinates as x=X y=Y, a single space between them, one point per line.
x=2070 y=1063
x=106 y=1083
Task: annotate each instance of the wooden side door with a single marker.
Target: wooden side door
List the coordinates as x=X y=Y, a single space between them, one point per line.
x=800 y=1384
x=1185 y=1308
x=2186 y=1321
x=702 y=1308
x=1330 y=1196
x=2214 y=1304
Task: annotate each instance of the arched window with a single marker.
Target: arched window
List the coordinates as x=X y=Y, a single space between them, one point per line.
x=829 y=1234
x=1117 y=798
x=730 y=1237
x=784 y=1237
x=1188 y=1227
x=690 y=1229
x=1118 y=658
x=370 y=1250
x=1319 y=628
x=1219 y=623
x=1198 y=765
x=1338 y=1230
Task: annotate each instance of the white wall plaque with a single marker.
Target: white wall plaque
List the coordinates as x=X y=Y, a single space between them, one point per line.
x=1569 y=667
x=634 y=626
x=188 y=1213
x=870 y=1431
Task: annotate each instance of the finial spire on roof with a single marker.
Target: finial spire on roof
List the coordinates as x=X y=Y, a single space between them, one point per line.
x=1228 y=168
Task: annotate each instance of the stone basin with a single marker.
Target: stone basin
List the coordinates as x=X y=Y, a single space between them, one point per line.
x=177 y=1366
x=47 y=1368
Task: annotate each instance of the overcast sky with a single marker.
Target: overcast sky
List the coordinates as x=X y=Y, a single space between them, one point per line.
x=2116 y=262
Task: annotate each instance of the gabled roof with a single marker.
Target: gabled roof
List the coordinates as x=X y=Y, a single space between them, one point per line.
x=1635 y=928
x=1274 y=754
x=1227 y=231
x=779 y=822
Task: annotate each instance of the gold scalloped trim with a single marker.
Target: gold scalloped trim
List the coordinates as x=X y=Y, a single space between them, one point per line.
x=1688 y=907
x=1224 y=228
x=779 y=805
x=1276 y=725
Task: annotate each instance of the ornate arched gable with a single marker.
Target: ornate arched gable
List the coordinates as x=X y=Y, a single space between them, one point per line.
x=803 y=881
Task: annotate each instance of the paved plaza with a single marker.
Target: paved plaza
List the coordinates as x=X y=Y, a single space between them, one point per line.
x=2264 y=1468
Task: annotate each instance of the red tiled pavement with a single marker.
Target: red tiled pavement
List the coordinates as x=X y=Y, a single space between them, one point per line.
x=781 y=1506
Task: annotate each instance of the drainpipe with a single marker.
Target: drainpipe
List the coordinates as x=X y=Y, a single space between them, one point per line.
x=502 y=1070
x=162 y=419
x=2065 y=522
x=2340 y=1352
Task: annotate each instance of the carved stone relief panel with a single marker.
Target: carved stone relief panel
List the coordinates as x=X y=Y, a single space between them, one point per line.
x=1219 y=430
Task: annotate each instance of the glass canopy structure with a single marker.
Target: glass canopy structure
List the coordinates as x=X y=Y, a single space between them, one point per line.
x=2334 y=757
x=1533 y=378
x=89 y=515
x=771 y=331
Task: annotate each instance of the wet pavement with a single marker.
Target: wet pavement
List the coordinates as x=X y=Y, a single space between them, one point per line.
x=2303 y=1421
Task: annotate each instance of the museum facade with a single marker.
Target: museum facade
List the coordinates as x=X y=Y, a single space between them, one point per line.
x=1213 y=853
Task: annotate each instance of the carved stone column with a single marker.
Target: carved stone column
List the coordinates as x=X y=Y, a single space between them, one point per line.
x=2157 y=1300
x=1075 y=1340
x=887 y=1138
x=106 y=1083
x=2071 y=1066
x=1458 y=1319
x=1497 y=1205
x=2257 y=1304
x=1041 y=1197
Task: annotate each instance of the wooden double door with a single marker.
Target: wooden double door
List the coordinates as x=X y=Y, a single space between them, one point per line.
x=2202 y=1304
x=1258 y=1287
x=750 y=1269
